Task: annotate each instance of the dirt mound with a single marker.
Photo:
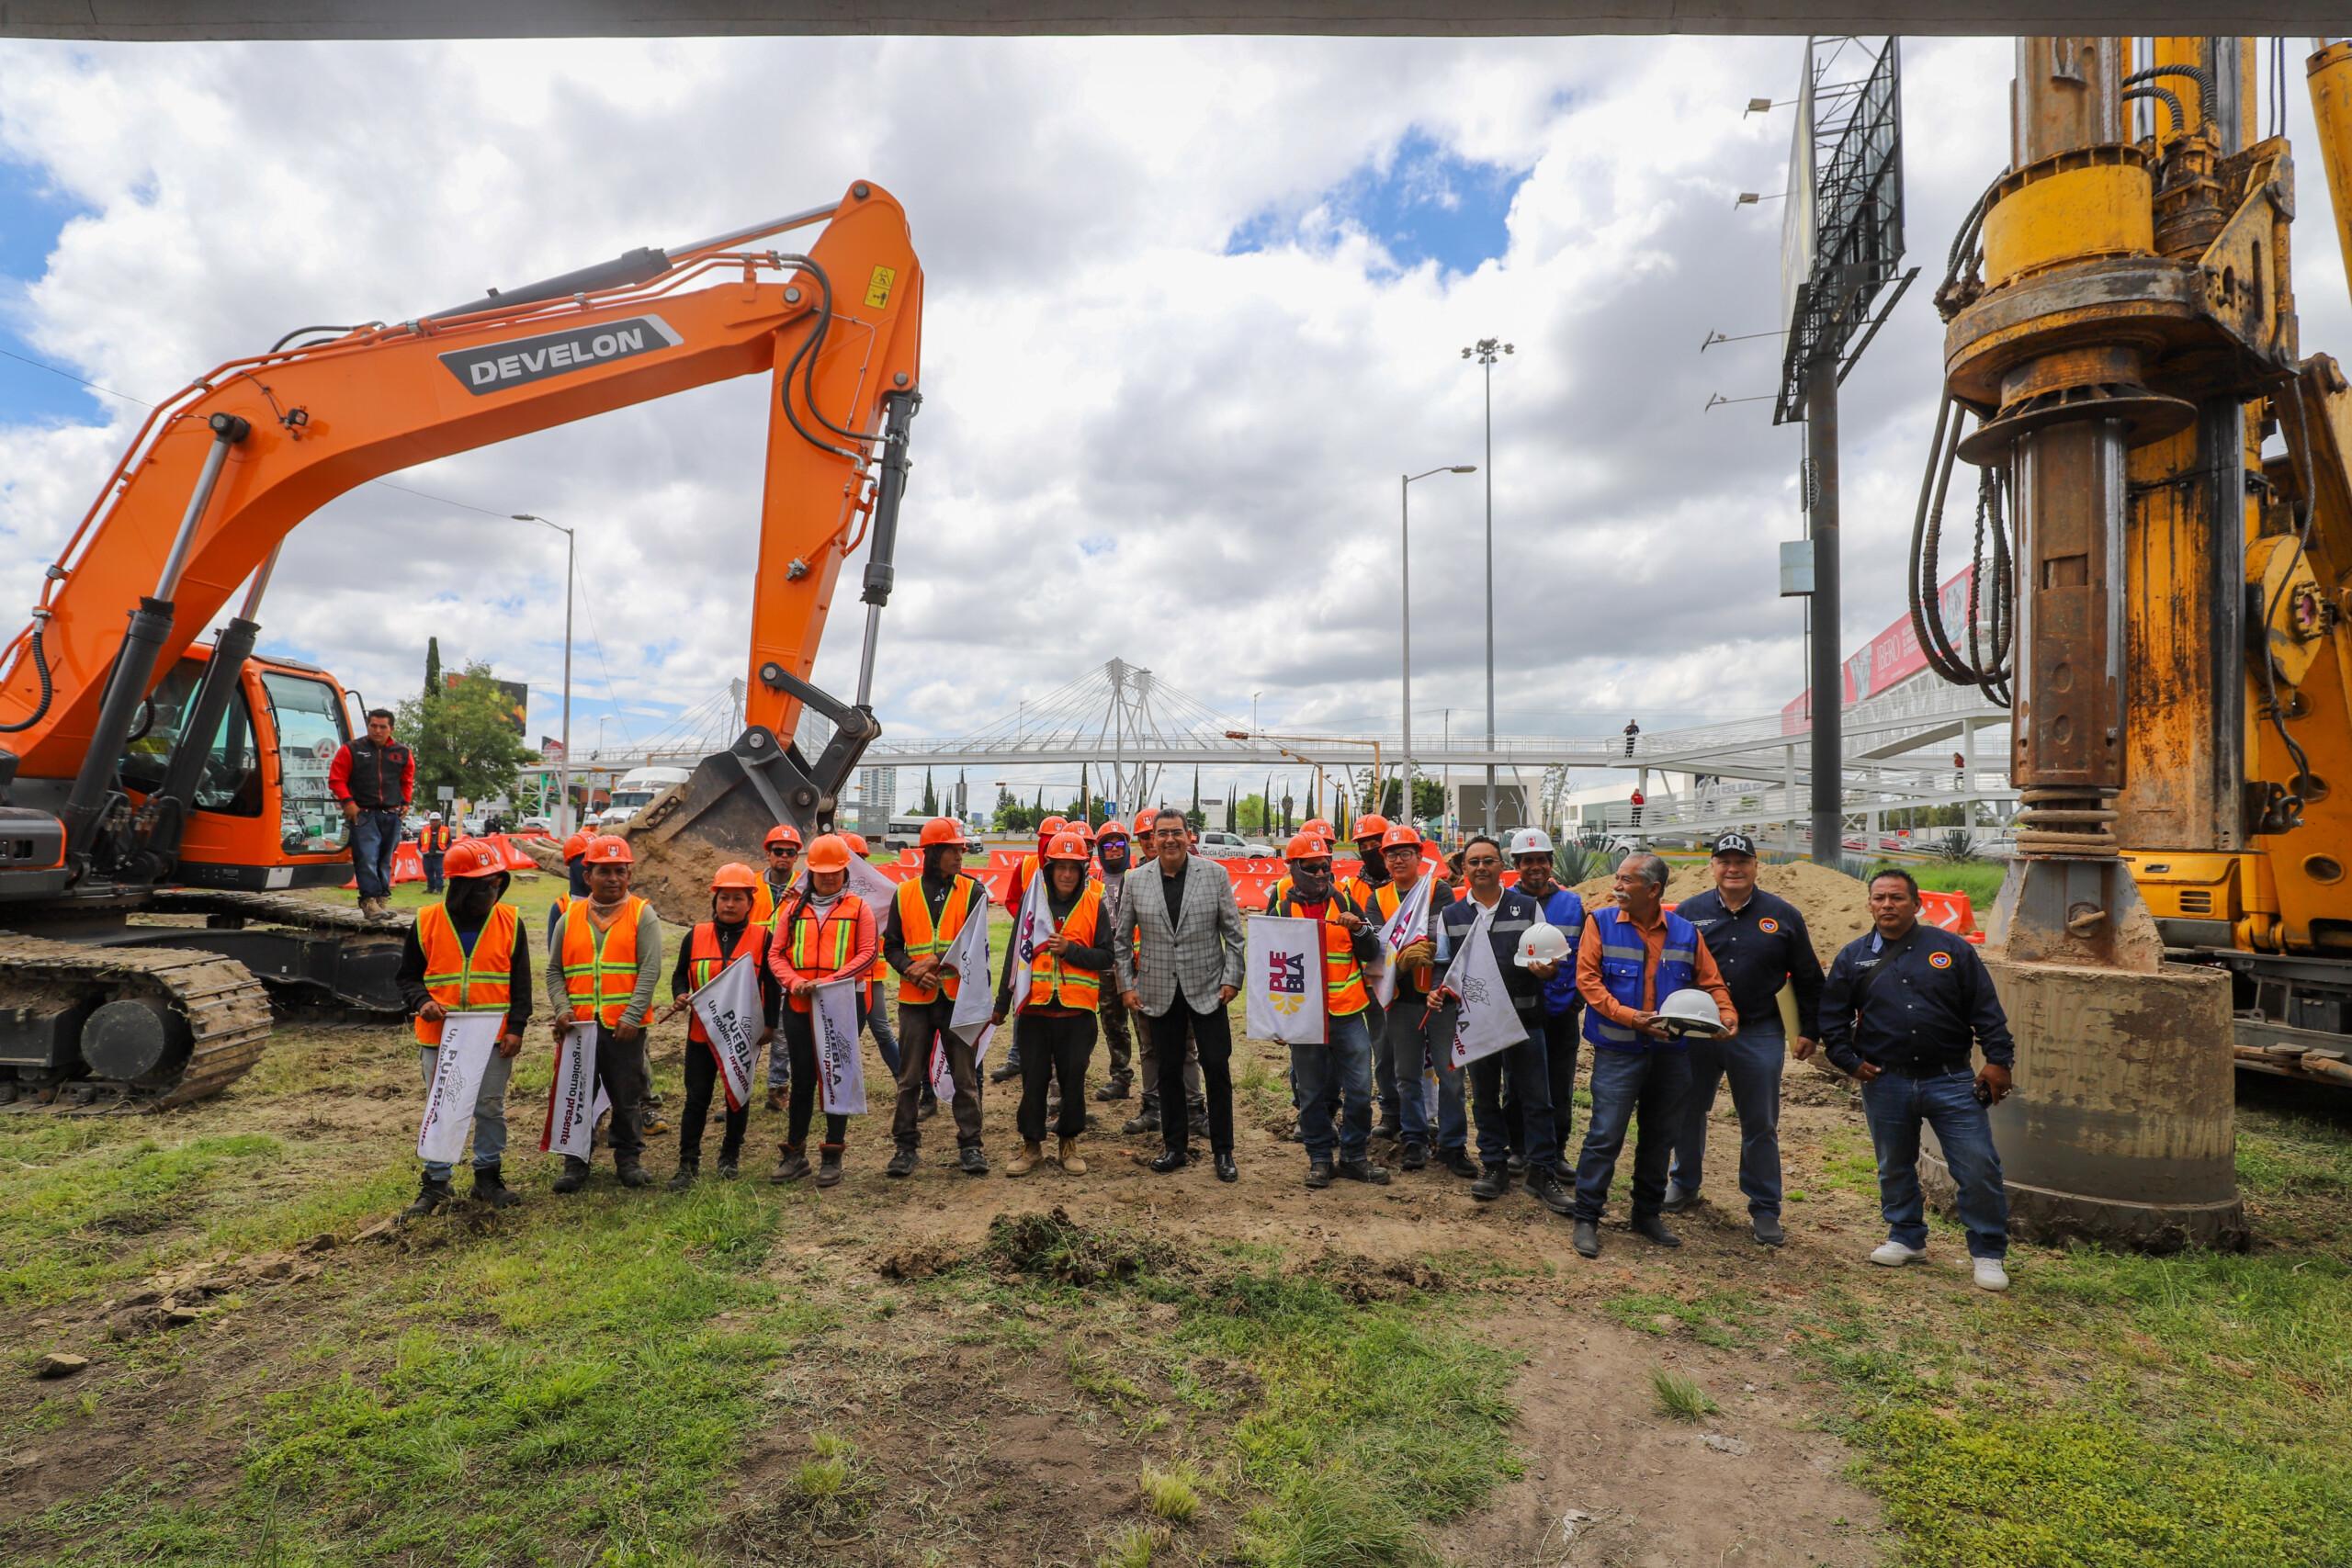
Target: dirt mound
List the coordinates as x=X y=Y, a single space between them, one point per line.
x=675 y=873
x=1837 y=907
x=1055 y=1246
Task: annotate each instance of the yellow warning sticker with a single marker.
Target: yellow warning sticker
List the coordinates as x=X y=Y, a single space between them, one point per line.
x=878 y=287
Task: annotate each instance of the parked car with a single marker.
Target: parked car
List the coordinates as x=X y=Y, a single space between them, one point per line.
x=535 y=825
x=1218 y=844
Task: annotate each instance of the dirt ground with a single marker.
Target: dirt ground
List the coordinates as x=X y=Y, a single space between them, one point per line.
x=1608 y=1481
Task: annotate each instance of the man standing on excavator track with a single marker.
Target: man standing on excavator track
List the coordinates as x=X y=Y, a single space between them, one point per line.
x=374 y=776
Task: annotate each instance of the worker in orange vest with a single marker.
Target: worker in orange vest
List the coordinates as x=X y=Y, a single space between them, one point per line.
x=783 y=847
x=1016 y=889
x=927 y=914
x=710 y=947
x=1055 y=1025
x=606 y=964
x=824 y=932
x=1332 y=1077
x=465 y=954
x=432 y=844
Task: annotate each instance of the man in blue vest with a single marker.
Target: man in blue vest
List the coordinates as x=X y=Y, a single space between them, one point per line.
x=1633 y=956
x=1760 y=943
x=1901 y=1009
x=1531 y=854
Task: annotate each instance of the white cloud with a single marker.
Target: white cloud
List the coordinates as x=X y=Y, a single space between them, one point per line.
x=1097 y=368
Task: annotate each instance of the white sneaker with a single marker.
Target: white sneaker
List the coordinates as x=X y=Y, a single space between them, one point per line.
x=1991 y=1275
x=1894 y=1255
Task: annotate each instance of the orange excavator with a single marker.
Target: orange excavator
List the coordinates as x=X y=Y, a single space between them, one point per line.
x=146 y=772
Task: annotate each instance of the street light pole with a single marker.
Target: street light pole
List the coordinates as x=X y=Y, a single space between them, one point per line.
x=1404 y=608
x=1486 y=349
x=563 y=821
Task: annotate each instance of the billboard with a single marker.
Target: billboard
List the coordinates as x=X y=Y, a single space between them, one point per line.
x=1889 y=659
x=1841 y=234
x=514 y=699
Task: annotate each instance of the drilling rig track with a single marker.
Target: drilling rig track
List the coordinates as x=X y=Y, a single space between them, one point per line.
x=227 y=1009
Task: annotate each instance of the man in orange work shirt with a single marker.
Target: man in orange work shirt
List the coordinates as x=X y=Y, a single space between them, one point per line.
x=1631 y=959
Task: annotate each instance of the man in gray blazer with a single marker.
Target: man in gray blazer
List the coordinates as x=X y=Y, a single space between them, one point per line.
x=1178 y=952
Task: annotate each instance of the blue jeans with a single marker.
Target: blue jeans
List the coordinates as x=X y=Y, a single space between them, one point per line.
x=1625 y=1084
x=1752 y=1060
x=432 y=871
x=879 y=1023
x=1415 y=1047
x=374 y=836
x=1894 y=1106
x=1339 y=1072
x=490 y=1109
x=1530 y=1072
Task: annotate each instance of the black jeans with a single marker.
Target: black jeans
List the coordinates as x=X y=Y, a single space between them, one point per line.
x=702 y=1076
x=621 y=1070
x=1213 y=1035
x=800 y=1031
x=1560 y=1054
x=919 y=1025
x=1054 y=1048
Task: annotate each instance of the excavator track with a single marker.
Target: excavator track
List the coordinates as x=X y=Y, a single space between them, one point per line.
x=275 y=909
x=226 y=1008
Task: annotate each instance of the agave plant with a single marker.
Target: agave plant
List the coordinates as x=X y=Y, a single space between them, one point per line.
x=1957 y=846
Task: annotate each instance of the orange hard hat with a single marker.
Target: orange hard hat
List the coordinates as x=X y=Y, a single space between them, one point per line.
x=1085 y=833
x=1403 y=834
x=830 y=853
x=857 y=844
x=573 y=847
x=1110 y=827
x=1371 y=825
x=609 y=849
x=472 y=857
x=1068 y=845
x=1307 y=846
x=735 y=875
x=782 y=833
x=1147 y=824
x=1318 y=825
x=942 y=830
x=1052 y=825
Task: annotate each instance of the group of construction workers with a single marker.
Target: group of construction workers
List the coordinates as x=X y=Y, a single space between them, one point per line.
x=1133 y=929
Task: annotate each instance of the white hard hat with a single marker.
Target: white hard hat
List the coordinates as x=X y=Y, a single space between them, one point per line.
x=434 y=818
x=1691 y=1012
x=1541 y=944
x=1530 y=842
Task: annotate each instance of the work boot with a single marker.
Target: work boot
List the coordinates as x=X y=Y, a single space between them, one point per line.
x=379 y=909
x=1492 y=1185
x=791 y=1165
x=828 y=1165
x=1390 y=1128
x=1548 y=1191
x=1008 y=1068
x=729 y=1167
x=1145 y=1120
x=1586 y=1238
x=1767 y=1229
x=685 y=1178
x=1117 y=1088
x=1072 y=1163
x=1026 y=1160
x=1460 y=1163
x=632 y=1174
x=972 y=1160
x=902 y=1161
x=652 y=1123
x=1363 y=1170
x=1319 y=1174
x=1416 y=1156
x=1652 y=1229
x=1518 y=1166
x=432 y=1197
x=491 y=1189
x=776 y=1098
x=1678 y=1198
x=574 y=1177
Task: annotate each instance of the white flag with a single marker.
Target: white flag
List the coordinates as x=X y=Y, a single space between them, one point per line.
x=1285 y=979
x=570 y=1127
x=1484 y=1019
x=467 y=1041
x=1405 y=927
x=728 y=1008
x=834 y=1015
x=1032 y=924
x=968 y=958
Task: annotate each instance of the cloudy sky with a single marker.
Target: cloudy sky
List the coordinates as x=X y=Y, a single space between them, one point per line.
x=1193 y=306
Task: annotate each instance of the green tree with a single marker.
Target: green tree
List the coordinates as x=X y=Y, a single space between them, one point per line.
x=1249 y=815
x=930 y=796
x=464 y=737
x=432 y=669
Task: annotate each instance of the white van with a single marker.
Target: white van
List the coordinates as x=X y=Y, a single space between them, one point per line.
x=635 y=791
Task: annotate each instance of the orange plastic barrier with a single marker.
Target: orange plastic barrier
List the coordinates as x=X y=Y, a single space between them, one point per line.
x=1952 y=912
x=407 y=861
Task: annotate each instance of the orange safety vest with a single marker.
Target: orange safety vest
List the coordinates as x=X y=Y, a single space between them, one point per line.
x=823 y=946
x=1017 y=886
x=764 y=905
x=600 y=966
x=479 y=981
x=704 y=961
x=433 y=838
x=1054 y=984
x=1343 y=987
x=924 y=941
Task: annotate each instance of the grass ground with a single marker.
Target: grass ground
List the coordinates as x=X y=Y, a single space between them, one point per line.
x=1116 y=1368
x=1981 y=880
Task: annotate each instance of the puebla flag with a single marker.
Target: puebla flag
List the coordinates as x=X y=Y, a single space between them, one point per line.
x=1285 y=979
x=570 y=1126
x=467 y=1041
x=1032 y=924
x=834 y=1015
x=729 y=1010
x=1485 y=1021
x=1404 y=928
x=967 y=956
